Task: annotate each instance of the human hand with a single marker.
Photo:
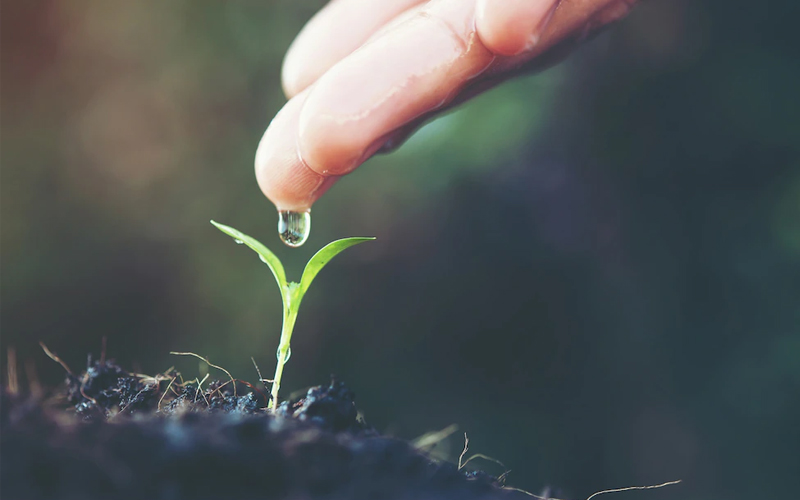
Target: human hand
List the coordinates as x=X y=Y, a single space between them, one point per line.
x=362 y=75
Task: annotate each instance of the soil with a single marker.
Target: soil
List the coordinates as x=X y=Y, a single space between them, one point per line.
x=113 y=434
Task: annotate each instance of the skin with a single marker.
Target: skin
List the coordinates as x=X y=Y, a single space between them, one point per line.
x=362 y=75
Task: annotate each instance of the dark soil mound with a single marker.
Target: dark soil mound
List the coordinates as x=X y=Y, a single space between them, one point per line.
x=129 y=437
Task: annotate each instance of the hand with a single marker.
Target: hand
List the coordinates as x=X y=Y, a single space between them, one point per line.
x=364 y=74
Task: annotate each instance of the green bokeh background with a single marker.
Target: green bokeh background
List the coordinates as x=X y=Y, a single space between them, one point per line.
x=594 y=271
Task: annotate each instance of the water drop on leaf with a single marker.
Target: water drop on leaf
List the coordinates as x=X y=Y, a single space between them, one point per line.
x=288 y=354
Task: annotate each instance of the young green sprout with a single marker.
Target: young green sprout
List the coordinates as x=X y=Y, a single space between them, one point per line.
x=291 y=293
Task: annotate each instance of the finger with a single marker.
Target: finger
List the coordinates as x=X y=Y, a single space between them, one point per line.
x=281 y=174
x=509 y=27
x=572 y=22
x=565 y=30
x=335 y=31
x=416 y=67
x=398 y=20
x=384 y=90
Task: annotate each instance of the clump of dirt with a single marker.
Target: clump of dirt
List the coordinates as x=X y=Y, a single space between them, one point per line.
x=105 y=390
x=332 y=408
x=103 y=387
x=126 y=436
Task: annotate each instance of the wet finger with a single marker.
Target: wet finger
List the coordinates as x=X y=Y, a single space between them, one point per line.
x=570 y=23
x=335 y=31
x=564 y=29
x=411 y=69
x=509 y=27
x=281 y=174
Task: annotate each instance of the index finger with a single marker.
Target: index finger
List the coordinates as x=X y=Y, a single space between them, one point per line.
x=416 y=67
x=333 y=33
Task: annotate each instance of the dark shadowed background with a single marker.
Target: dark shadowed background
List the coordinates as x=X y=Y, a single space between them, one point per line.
x=594 y=271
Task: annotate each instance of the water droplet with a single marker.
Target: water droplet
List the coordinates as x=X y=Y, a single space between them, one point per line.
x=288 y=354
x=263 y=259
x=294 y=227
x=239 y=242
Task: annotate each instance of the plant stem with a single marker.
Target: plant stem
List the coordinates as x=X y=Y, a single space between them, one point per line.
x=283 y=351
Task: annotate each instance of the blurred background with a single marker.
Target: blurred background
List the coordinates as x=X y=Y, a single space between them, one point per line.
x=593 y=271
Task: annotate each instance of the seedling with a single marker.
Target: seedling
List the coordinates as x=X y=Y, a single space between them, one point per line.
x=291 y=293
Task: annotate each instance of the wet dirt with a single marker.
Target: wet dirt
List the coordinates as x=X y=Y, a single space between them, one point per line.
x=114 y=434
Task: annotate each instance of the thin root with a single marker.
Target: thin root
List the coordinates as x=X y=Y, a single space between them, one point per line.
x=260 y=378
x=219 y=389
x=248 y=384
x=52 y=355
x=430 y=439
x=464 y=452
x=13 y=381
x=629 y=488
x=165 y=392
x=462 y=462
x=615 y=490
x=484 y=457
x=209 y=364
x=83 y=386
x=502 y=477
x=200 y=389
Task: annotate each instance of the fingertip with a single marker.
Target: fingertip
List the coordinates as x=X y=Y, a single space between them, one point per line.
x=293 y=79
x=280 y=171
x=285 y=181
x=327 y=146
x=315 y=49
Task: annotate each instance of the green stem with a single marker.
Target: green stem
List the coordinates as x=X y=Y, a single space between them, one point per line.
x=283 y=351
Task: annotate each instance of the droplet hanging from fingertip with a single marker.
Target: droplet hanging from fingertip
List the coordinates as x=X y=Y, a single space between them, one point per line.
x=294 y=227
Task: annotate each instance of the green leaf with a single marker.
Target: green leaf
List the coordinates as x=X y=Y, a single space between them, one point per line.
x=321 y=258
x=267 y=257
